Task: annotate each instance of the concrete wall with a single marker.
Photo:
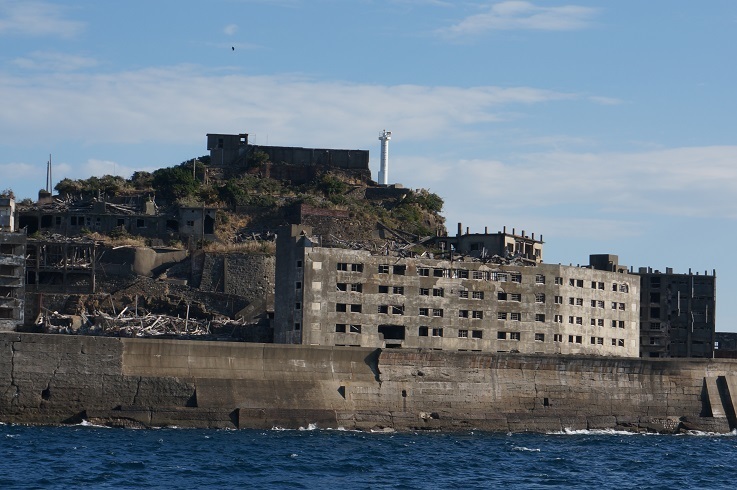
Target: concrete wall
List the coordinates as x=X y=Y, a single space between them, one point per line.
x=149 y=382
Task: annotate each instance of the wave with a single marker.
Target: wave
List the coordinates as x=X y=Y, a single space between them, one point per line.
x=522 y=448
x=597 y=432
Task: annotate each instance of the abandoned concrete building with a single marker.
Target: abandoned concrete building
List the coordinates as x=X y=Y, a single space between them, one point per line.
x=678 y=314
x=12 y=263
x=332 y=296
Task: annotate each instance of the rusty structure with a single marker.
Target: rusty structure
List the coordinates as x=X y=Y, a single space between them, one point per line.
x=12 y=262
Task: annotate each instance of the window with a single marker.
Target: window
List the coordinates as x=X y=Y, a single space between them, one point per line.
x=621 y=306
x=514 y=336
x=579 y=320
x=571 y=319
x=600 y=322
x=463 y=313
x=620 y=342
x=501 y=296
x=593 y=322
x=572 y=282
x=340 y=328
x=424 y=312
x=515 y=277
x=558 y=281
x=422 y=332
x=501 y=315
x=297 y=326
x=437 y=312
x=463 y=293
x=601 y=286
x=461 y=274
x=356 y=267
x=579 y=283
x=424 y=292
x=298 y=306
x=437 y=332
x=621 y=324
x=356 y=308
x=501 y=335
x=557 y=337
x=383 y=269
x=515 y=317
x=558 y=319
x=571 y=301
x=540 y=298
x=579 y=301
x=357 y=288
x=383 y=309
x=593 y=286
x=341 y=286
x=614 y=305
x=654 y=325
x=593 y=303
x=579 y=339
x=540 y=337
x=614 y=323
x=478 y=295
x=397 y=310
x=599 y=340
x=399 y=270
x=342 y=307
x=624 y=288
x=539 y=279
x=299 y=263
x=499 y=276
x=593 y=340
x=600 y=304
x=342 y=266
x=423 y=271
x=614 y=286
x=398 y=290
x=383 y=289
x=439 y=273
x=539 y=317
x=477 y=315
x=298 y=285
x=559 y=300
x=140 y=223
x=438 y=292
x=515 y=297
x=478 y=274
x=190 y=222
x=477 y=334
x=355 y=328
x=614 y=342
x=463 y=334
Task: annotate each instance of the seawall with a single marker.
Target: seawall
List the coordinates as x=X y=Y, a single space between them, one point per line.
x=53 y=379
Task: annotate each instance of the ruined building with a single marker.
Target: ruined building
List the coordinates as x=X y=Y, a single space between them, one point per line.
x=333 y=296
x=12 y=262
x=678 y=314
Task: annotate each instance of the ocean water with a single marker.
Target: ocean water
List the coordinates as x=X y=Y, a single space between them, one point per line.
x=95 y=457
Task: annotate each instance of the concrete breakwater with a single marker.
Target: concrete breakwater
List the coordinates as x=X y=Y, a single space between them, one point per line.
x=53 y=379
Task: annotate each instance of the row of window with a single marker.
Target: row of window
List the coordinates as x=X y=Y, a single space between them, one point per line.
x=425 y=331
x=579 y=283
x=401 y=270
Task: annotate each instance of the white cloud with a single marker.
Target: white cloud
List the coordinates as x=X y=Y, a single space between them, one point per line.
x=230 y=29
x=35 y=18
x=515 y=15
x=54 y=62
x=182 y=103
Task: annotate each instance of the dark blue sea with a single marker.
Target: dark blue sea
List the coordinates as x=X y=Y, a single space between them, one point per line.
x=96 y=457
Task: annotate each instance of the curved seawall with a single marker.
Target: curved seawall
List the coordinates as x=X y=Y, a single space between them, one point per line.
x=149 y=382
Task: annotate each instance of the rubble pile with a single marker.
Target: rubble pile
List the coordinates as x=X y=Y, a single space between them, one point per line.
x=130 y=324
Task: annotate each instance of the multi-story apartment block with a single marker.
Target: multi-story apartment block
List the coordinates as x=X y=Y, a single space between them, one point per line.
x=12 y=261
x=331 y=296
x=678 y=314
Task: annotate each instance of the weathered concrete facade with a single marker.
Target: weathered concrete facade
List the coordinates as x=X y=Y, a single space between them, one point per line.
x=678 y=314
x=234 y=150
x=137 y=382
x=12 y=279
x=330 y=296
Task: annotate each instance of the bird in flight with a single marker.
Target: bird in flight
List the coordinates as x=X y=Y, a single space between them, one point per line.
x=233 y=48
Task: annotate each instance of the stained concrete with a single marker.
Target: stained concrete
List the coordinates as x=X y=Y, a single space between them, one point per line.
x=149 y=382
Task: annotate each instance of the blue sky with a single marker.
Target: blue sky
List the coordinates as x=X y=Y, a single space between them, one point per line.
x=607 y=127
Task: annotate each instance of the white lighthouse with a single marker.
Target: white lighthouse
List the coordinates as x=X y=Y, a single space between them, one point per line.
x=384 y=137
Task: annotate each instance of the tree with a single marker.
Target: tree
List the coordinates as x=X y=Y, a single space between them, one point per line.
x=174 y=183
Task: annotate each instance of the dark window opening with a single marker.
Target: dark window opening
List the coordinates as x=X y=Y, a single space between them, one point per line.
x=392 y=332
